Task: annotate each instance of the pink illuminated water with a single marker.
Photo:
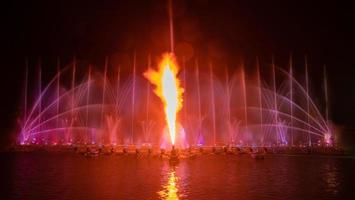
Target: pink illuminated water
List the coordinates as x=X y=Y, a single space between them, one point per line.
x=67 y=176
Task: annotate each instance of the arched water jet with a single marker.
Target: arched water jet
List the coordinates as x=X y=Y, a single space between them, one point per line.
x=113 y=117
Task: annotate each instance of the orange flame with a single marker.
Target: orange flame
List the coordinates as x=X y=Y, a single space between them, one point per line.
x=168 y=89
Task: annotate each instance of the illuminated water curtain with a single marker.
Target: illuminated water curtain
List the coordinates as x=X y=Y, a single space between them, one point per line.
x=193 y=106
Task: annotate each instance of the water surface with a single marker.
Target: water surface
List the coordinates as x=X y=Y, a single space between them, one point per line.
x=71 y=176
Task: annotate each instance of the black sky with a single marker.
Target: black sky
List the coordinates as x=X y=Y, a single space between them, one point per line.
x=91 y=30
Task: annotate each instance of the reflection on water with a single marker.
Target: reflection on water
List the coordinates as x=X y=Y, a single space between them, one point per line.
x=170 y=190
x=331 y=178
x=45 y=176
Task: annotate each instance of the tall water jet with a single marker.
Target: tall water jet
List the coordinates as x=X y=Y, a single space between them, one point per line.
x=291 y=98
x=133 y=97
x=25 y=103
x=72 y=101
x=88 y=101
x=228 y=106
x=307 y=101
x=184 y=81
x=184 y=86
x=118 y=85
x=198 y=100
x=103 y=97
x=171 y=25
x=276 y=112
x=26 y=90
x=213 y=106
x=58 y=92
x=148 y=93
x=147 y=125
x=118 y=80
x=327 y=136
x=39 y=93
x=244 y=88
x=260 y=99
x=326 y=94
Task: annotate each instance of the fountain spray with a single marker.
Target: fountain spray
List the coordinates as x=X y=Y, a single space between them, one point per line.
x=167 y=84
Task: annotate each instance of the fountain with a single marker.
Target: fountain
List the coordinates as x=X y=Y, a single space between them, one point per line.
x=93 y=110
x=83 y=106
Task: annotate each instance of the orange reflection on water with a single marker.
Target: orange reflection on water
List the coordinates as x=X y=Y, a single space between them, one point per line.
x=170 y=191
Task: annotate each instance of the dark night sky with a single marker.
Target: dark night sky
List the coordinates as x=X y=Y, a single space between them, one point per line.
x=90 y=30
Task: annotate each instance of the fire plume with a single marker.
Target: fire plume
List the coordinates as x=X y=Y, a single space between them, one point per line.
x=168 y=89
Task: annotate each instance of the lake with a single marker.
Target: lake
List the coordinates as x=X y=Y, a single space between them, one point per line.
x=41 y=175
